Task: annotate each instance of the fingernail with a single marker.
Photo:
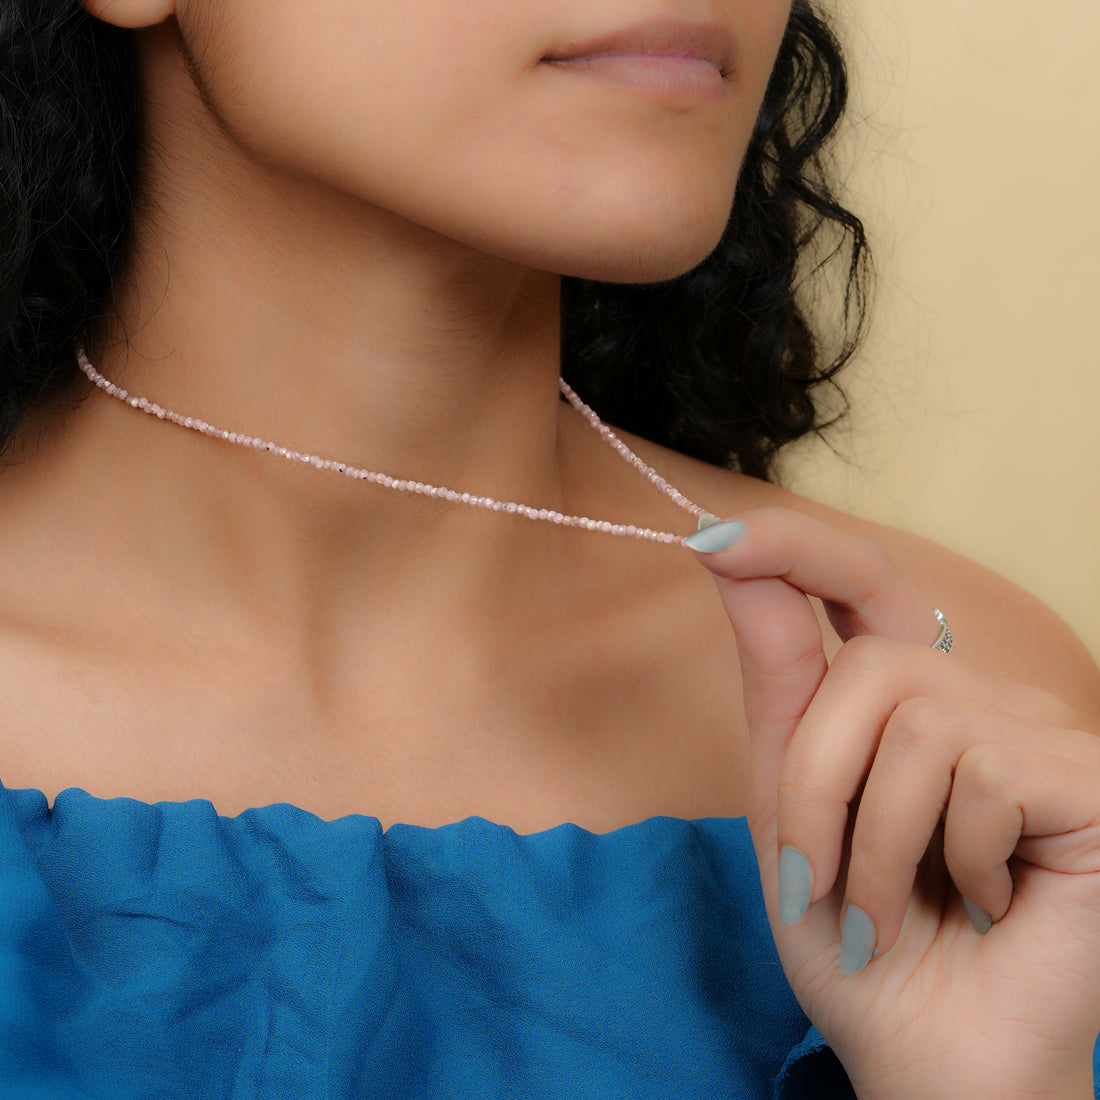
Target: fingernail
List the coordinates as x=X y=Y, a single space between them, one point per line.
x=857 y=940
x=981 y=920
x=795 y=885
x=718 y=536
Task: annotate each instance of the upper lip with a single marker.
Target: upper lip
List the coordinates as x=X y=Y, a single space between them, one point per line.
x=713 y=42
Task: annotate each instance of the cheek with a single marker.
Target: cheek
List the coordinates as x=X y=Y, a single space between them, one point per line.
x=445 y=118
x=365 y=95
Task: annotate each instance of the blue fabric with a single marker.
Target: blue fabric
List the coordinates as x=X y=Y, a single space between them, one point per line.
x=163 y=951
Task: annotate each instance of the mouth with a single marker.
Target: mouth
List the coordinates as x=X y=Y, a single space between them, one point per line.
x=670 y=47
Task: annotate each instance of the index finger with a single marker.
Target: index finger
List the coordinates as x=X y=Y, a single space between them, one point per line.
x=766 y=564
x=853 y=576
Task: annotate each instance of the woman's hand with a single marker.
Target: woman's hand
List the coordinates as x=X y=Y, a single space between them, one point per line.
x=886 y=789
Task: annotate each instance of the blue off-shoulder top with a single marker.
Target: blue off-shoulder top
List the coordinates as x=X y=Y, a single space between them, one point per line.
x=164 y=951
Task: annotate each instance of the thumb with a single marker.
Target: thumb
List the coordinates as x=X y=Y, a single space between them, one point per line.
x=782 y=665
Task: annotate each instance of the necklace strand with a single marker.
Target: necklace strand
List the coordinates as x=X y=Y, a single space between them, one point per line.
x=440 y=492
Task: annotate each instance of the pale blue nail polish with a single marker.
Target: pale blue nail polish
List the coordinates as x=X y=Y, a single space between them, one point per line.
x=718 y=536
x=981 y=920
x=795 y=885
x=857 y=940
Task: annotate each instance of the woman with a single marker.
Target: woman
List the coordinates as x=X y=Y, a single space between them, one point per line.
x=350 y=228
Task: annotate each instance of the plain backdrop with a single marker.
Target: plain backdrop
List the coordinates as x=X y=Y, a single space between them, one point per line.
x=974 y=146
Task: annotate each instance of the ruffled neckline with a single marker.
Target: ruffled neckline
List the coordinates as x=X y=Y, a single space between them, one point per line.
x=287 y=811
x=274 y=953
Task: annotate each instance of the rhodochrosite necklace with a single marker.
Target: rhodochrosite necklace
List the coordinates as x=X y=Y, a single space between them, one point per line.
x=441 y=492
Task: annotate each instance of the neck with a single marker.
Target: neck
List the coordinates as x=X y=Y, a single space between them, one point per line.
x=284 y=308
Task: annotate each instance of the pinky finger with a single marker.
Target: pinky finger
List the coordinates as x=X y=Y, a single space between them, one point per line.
x=1007 y=799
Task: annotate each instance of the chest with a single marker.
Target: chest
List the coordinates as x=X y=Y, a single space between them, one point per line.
x=583 y=729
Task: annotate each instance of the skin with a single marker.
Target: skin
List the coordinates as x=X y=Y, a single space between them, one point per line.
x=855 y=763
x=349 y=239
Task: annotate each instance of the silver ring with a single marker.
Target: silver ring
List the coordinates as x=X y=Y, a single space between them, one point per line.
x=946 y=639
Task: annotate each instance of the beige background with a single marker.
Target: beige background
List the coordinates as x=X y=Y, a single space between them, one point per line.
x=976 y=418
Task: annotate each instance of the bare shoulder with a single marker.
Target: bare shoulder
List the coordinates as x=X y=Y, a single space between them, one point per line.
x=997 y=624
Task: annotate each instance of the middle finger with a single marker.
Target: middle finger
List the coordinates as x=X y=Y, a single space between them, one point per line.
x=839 y=736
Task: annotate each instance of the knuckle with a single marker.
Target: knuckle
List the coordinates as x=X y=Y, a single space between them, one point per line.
x=918 y=721
x=985 y=772
x=865 y=656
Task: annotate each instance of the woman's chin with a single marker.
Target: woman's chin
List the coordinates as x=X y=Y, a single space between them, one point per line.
x=655 y=260
x=650 y=245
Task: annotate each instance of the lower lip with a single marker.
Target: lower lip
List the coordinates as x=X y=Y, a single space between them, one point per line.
x=655 y=75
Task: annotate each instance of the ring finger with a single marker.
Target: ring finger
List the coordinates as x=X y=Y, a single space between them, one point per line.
x=908 y=788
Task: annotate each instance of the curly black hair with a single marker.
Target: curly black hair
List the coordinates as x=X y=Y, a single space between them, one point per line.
x=69 y=126
x=725 y=363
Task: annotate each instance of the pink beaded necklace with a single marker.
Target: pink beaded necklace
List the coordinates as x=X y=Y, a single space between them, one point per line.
x=441 y=492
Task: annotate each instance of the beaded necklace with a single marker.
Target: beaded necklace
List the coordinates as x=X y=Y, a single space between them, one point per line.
x=440 y=492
